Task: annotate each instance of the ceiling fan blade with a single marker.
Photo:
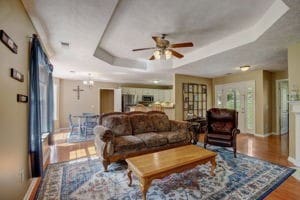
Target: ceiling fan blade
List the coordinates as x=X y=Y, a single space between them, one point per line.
x=179 y=45
x=152 y=57
x=176 y=54
x=143 y=49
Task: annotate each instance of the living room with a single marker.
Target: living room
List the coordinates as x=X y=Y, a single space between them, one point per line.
x=180 y=63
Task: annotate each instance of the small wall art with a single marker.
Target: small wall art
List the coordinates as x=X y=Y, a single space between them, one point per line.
x=16 y=75
x=22 y=98
x=8 y=42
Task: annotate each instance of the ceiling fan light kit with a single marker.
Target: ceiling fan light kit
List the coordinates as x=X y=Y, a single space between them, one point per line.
x=164 y=48
x=162 y=54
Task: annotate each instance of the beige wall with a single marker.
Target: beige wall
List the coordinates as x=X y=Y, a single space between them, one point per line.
x=280 y=75
x=294 y=81
x=257 y=76
x=14 y=116
x=179 y=79
x=88 y=102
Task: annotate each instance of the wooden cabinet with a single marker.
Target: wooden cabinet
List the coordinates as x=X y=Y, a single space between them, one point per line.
x=194 y=100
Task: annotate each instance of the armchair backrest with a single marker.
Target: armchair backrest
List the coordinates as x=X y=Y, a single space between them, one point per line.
x=221 y=120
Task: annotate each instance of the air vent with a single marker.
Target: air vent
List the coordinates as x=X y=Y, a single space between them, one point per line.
x=65 y=44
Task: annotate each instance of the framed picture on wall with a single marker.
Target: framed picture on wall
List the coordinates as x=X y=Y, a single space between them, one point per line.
x=7 y=41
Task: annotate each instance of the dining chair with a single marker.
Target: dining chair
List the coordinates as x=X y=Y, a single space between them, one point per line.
x=72 y=125
x=90 y=122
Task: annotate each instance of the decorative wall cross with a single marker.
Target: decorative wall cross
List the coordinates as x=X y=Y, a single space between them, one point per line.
x=78 y=90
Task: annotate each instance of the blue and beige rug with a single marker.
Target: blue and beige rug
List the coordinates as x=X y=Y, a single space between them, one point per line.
x=243 y=177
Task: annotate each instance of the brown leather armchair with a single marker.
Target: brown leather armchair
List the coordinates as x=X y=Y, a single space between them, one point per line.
x=221 y=128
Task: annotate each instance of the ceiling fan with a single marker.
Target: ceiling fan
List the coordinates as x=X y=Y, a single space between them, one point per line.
x=164 y=48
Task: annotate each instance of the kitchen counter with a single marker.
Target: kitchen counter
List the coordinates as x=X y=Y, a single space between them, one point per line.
x=169 y=110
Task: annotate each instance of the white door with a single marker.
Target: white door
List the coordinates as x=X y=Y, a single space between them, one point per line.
x=283 y=106
x=240 y=97
x=235 y=100
x=118 y=100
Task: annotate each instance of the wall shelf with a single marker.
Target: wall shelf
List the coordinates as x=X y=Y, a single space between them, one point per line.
x=194 y=99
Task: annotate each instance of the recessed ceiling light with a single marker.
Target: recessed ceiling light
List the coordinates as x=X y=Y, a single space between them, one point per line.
x=156 y=81
x=245 y=68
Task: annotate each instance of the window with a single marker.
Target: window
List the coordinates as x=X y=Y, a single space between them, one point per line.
x=43 y=103
x=43 y=75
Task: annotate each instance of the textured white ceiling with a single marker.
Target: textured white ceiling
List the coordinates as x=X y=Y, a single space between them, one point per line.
x=118 y=27
x=201 y=22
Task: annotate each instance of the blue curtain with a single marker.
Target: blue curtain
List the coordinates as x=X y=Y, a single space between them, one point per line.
x=38 y=61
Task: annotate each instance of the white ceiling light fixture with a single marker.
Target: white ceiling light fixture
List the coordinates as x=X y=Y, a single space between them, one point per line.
x=168 y=54
x=89 y=82
x=157 y=54
x=156 y=81
x=162 y=54
x=245 y=68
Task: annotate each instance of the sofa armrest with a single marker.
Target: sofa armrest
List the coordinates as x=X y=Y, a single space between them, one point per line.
x=104 y=134
x=179 y=125
x=104 y=142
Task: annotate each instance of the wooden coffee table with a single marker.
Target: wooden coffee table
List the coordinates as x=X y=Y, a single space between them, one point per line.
x=158 y=165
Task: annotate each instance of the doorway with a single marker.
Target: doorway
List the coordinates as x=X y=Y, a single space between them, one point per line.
x=240 y=97
x=282 y=106
x=106 y=97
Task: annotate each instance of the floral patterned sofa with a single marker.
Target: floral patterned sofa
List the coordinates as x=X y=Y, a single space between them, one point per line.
x=122 y=135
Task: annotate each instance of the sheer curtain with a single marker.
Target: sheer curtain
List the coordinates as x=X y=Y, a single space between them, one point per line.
x=40 y=104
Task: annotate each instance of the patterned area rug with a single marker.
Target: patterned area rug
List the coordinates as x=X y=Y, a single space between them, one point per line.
x=241 y=178
x=77 y=137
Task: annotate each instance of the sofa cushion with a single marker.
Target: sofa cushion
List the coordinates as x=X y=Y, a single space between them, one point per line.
x=174 y=136
x=141 y=123
x=222 y=127
x=118 y=124
x=160 y=121
x=128 y=143
x=153 y=139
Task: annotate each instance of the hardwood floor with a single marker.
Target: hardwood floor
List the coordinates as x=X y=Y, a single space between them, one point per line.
x=273 y=149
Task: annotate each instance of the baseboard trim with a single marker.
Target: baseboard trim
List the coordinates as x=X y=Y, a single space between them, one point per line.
x=30 y=189
x=263 y=135
x=294 y=161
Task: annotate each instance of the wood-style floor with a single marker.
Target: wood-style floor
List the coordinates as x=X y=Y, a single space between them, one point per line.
x=273 y=149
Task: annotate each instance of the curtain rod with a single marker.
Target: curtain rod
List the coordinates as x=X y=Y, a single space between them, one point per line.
x=33 y=35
